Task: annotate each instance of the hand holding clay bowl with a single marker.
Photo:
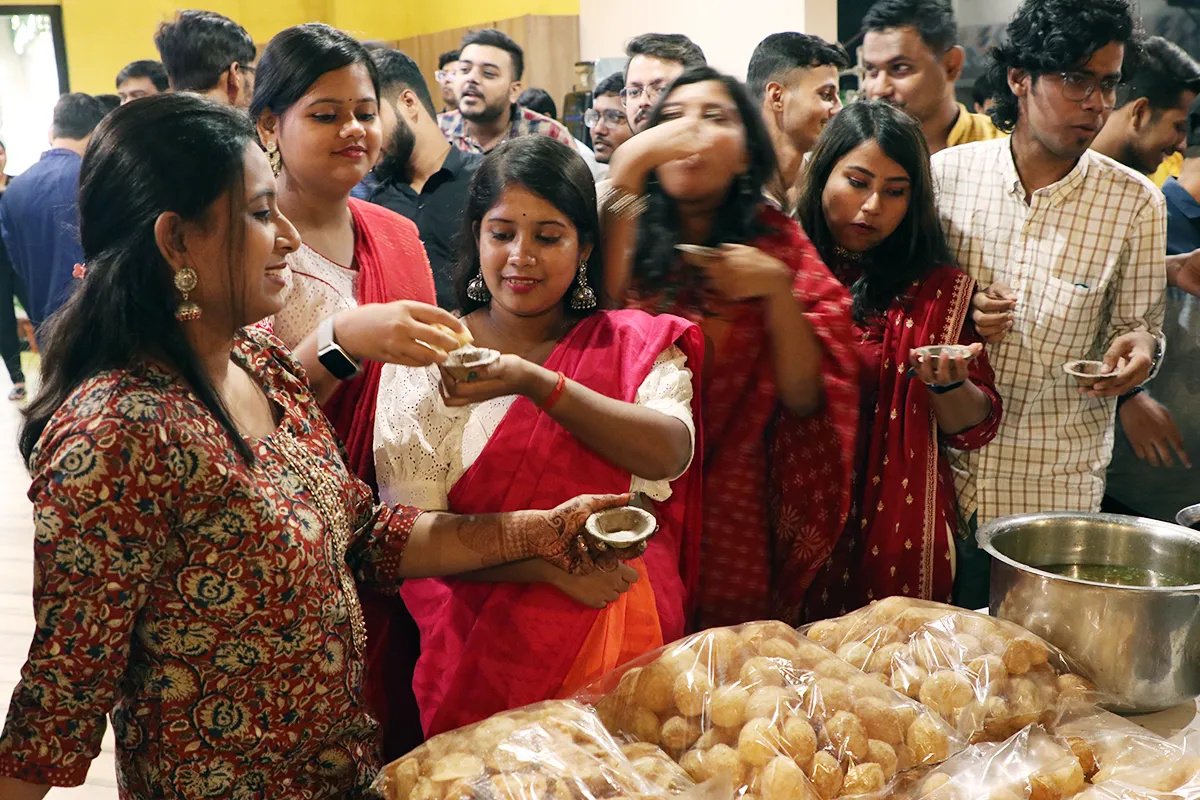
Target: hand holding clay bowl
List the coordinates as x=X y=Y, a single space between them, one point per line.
x=465 y=363
x=623 y=530
x=1087 y=373
x=933 y=352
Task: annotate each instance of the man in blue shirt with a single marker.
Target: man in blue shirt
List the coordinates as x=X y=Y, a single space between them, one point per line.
x=1158 y=440
x=39 y=214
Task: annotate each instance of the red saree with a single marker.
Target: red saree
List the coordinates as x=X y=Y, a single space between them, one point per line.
x=392 y=265
x=900 y=540
x=755 y=506
x=487 y=648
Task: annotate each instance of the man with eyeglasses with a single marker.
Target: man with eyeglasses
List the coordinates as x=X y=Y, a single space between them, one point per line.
x=655 y=60
x=912 y=61
x=606 y=119
x=447 y=64
x=1070 y=245
x=209 y=54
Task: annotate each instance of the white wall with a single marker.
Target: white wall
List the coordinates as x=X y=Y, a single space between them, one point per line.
x=727 y=30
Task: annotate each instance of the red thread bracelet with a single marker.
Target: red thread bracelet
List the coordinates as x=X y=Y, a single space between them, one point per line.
x=554 y=396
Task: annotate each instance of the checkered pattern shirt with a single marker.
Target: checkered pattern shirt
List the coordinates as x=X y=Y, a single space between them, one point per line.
x=1086 y=257
x=524 y=123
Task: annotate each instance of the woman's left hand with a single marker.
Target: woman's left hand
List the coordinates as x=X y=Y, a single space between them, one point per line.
x=742 y=272
x=508 y=375
x=948 y=371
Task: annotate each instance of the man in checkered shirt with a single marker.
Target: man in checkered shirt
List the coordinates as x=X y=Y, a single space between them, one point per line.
x=1067 y=247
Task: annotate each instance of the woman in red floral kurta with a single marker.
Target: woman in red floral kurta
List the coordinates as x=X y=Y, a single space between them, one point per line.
x=198 y=538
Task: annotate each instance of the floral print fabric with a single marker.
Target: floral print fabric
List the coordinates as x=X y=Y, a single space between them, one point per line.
x=205 y=603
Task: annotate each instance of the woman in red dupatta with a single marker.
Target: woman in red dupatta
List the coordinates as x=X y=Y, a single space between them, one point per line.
x=579 y=398
x=868 y=203
x=777 y=330
x=355 y=258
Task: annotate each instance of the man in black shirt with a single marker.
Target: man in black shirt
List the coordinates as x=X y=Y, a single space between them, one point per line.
x=420 y=175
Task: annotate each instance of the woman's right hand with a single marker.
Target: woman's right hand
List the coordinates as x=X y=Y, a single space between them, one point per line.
x=597 y=589
x=401 y=332
x=557 y=535
x=669 y=141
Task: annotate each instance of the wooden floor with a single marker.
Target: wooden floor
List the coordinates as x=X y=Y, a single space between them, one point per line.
x=16 y=585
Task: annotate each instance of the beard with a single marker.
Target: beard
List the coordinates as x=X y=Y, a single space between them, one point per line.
x=1131 y=157
x=490 y=113
x=396 y=166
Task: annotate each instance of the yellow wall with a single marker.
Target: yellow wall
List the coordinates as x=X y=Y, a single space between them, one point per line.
x=104 y=35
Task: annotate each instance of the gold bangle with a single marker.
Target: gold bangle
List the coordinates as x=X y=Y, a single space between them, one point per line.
x=623 y=204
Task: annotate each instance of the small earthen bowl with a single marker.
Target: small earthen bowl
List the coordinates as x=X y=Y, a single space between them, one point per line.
x=466 y=362
x=1087 y=373
x=621 y=528
x=933 y=352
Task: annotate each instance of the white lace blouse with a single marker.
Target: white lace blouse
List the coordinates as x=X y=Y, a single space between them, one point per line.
x=317 y=287
x=423 y=447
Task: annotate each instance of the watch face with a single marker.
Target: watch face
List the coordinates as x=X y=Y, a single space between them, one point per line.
x=340 y=365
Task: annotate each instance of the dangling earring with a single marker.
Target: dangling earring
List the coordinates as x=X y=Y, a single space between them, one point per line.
x=186 y=281
x=583 y=298
x=275 y=158
x=477 y=290
x=744 y=187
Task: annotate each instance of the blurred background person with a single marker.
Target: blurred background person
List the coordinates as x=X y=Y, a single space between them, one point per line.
x=539 y=100
x=981 y=94
x=209 y=54
x=606 y=119
x=655 y=61
x=447 y=69
x=144 y=78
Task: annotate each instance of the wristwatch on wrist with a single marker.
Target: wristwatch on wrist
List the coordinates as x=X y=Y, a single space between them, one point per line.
x=331 y=355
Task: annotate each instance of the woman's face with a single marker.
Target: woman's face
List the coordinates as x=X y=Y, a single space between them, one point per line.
x=265 y=236
x=529 y=252
x=707 y=175
x=865 y=198
x=331 y=136
x=3 y=159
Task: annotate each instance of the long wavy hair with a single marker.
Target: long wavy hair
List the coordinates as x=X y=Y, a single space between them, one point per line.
x=736 y=220
x=918 y=245
x=169 y=153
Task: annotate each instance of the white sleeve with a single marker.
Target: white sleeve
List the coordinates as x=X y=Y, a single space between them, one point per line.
x=668 y=390
x=415 y=435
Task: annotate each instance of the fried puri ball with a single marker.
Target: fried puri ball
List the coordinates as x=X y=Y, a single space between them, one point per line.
x=692 y=688
x=884 y=755
x=937 y=786
x=679 y=733
x=863 y=779
x=655 y=688
x=1085 y=755
x=880 y=720
x=727 y=652
x=643 y=725
x=782 y=649
x=759 y=742
x=1064 y=781
x=933 y=653
x=782 y=779
x=769 y=701
x=1074 y=689
x=832 y=695
x=799 y=739
x=847 y=733
x=724 y=760
x=987 y=669
x=908 y=678
x=885 y=657
x=1022 y=654
x=927 y=740
x=763 y=671
x=857 y=654
x=945 y=692
x=826 y=775
x=728 y=706
x=828 y=633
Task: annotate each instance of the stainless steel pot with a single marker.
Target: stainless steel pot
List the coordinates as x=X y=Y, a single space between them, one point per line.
x=1140 y=644
x=1189 y=517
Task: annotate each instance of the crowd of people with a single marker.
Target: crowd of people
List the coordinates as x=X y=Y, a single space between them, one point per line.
x=277 y=540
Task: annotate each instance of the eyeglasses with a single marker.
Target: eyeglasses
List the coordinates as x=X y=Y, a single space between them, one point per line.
x=612 y=117
x=634 y=94
x=1079 y=86
x=440 y=76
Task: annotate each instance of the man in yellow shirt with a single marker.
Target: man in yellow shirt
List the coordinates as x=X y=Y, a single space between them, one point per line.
x=912 y=61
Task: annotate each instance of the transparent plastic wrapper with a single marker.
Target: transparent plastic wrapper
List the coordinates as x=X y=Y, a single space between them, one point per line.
x=557 y=750
x=1122 y=758
x=782 y=716
x=986 y=677
x=1032 y=765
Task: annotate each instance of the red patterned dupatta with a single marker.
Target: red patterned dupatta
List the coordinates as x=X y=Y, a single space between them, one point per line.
x=392 y=265
x=747 y=550
x=907 y=516
x=486 y=647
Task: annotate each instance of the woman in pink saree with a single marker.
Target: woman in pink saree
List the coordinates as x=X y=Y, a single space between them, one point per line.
x=580 y=397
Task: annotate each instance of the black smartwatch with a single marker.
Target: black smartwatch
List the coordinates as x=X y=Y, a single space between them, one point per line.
x=331 y=355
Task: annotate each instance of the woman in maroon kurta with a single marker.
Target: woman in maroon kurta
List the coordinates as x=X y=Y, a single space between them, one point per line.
x=867 y=203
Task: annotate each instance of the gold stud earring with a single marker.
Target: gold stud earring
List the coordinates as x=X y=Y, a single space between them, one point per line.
x=274 y=157
x=186 y=281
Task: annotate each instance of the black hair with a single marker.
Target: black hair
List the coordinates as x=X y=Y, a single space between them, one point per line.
x=736 y=221
x=110 y=102
x=76 y=115
x=297 y=57
x=198 y=46
x=918 y=245
x=551 y=170
x=398 y=72
x=447 y=57
x=981 y=90
x=168 y=153
x=780 y=53
x=613 y=84
x=146 y=68
x=933 y=19
x=1160 y=71
x=1049 y=36
x=667 y=47
x=490 y=37
x=538 y=100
